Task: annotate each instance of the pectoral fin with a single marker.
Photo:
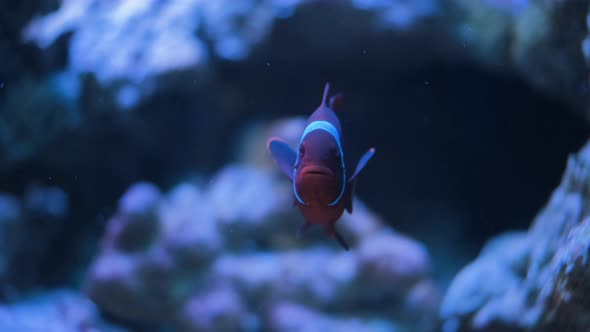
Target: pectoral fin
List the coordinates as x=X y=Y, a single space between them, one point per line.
x=352 y=181
x=348 y=197
x=283 y=155
x=362 y=163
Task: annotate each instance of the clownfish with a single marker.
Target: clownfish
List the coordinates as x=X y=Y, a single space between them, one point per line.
x=321 y=188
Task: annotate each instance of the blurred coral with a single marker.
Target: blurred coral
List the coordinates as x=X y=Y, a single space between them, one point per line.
x=290 y=317
x=222 y=257
x=61 y=310
x=130 y=42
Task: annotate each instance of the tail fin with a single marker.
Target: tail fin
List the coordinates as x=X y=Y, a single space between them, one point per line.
x=341 y=241
x=331 y=231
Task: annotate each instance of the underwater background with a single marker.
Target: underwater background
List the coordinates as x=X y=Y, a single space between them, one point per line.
x=137 y=194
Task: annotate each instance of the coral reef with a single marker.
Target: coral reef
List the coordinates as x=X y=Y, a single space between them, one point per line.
x=525 y=35
x=61 y=310
x=97 y=95
x=223 y=257
x=399 y=14
x=36 y=220
x=531 y=280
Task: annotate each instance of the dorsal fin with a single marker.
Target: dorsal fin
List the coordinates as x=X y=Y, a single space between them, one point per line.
x=326 y=91
x=336 y=102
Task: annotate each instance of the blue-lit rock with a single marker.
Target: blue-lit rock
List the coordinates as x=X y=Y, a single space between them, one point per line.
x=571 y=281
x=131 y=41
x=531 y=280
x=124 y=39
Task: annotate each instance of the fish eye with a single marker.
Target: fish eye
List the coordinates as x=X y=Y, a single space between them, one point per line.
x=302 y=150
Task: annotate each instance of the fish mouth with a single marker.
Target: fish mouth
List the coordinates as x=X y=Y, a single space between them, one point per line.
x=317 y=170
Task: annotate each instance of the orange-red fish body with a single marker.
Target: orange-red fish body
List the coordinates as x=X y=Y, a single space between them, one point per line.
x=321 y=188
